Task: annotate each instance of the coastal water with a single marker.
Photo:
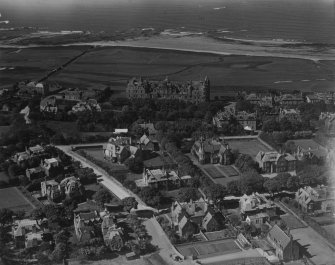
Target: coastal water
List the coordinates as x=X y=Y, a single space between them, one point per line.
x=292 y=20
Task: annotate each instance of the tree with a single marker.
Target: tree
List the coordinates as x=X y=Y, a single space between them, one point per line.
x=235 y=219
x=62 y=237
x=6 y=216
x=129 y=203
x=292 y=183
x=271 y=185
x=150 y=196
x=59 y=252
x=20 y=214
x=38 y=214
x=102 y=196
x=216 y=192
x=233 y=187
x=187 y=194
x=282 y=179
x=251 y=182
x=270 y=126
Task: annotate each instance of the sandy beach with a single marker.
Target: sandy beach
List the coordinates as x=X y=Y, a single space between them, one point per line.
x=203 y=44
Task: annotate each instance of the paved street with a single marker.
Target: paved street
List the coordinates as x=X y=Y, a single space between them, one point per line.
x=159 y=238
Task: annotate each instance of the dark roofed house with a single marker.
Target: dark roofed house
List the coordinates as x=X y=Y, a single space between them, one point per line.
x=212 y=151
x=147 y=143
x=213 y=221
x=286 y=248
x=149 y=128
x=320 y=199
x=274 y=162
x=84 y=224
x=112 y=234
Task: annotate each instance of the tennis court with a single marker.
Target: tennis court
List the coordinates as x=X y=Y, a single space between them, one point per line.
x=209 y=249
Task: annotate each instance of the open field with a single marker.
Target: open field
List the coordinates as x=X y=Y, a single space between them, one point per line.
x=209 y=249
x=291 y=221
x=33 y=63
x=113 y=66
x=315 y=245
x=330 y=228
x=15 y=199
x=248 y=146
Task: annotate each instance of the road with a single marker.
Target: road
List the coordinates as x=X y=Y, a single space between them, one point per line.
x=159 y=238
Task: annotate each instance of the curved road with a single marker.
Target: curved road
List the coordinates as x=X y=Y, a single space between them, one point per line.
x=159 y=238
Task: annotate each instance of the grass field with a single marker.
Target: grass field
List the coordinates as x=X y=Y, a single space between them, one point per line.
x=248 y=146
x=209 y=249
x=112 y=66
x=330 y=228
x=15 y=199
x=315 y=246
x=291 y=221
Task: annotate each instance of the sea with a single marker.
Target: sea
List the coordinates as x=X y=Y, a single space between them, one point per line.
x=311 y=21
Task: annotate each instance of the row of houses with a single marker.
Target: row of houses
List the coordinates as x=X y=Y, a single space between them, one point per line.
x=188 y=218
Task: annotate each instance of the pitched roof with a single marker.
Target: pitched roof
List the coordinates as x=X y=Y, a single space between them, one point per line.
x=281 y=237
x=149 y=126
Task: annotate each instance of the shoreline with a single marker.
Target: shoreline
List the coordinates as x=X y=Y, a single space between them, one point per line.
x=200 y=44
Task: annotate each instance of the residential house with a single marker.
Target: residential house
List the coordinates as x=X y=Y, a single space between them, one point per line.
x=49 y=164
x=72 y=187
x=285 y=247
x=35 y=173
x=257 y=219
x=34 y=151
x=27 y=233
x=185 y=228
x=256 y=203
x=51 y=189
x=274 y=162
x=293 y=115
x=318 y=200
x=190 y=91
x=160 y=178
x=213 y=221
x=112 y=234
x=307 y=148
x=117 y=149
x=32 y=88
x=329 y=123
x=313 y=99
x=196 y=213
x=149 y=128
x=247 y=120
x=86 y=225
x=289 y=100
x=212 y=151
x=147 y=143
x=265 y=100
x=89 y=105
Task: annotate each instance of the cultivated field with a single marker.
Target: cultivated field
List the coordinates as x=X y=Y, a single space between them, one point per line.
x=209 y=249
x=112 y=66
x=248 y=146
x=15 y=199
x=315 y=245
